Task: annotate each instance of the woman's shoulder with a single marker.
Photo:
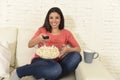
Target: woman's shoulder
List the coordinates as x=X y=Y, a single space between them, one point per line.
x=42 y=29
x=66 y=31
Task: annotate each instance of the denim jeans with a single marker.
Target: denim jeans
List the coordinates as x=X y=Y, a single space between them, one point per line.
x=50 y=69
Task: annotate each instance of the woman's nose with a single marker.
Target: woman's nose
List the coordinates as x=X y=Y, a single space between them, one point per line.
x=54 y=20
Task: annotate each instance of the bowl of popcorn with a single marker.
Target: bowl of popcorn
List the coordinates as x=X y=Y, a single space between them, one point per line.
x=48 y=52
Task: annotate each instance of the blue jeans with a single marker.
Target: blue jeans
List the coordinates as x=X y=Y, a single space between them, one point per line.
x=50 y=69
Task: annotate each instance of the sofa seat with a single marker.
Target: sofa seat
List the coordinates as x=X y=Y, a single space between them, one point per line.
x=94 y=71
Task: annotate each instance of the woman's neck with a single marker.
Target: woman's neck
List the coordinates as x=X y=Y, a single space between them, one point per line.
x=55 y=31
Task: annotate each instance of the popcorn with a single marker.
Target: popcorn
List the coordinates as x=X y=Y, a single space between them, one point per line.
x=48 y=52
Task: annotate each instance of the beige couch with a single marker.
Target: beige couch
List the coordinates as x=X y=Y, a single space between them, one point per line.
x=18 y=38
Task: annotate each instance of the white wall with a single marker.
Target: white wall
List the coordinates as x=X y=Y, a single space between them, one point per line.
x=97 y=22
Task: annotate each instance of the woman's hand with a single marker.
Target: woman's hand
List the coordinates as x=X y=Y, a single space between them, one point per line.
x=37 y=40
x=63 y=51
x=43 y=38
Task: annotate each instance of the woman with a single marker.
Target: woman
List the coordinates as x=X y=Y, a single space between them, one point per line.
x=68 y=59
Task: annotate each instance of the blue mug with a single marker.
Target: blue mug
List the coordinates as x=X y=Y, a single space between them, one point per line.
x=89 y=55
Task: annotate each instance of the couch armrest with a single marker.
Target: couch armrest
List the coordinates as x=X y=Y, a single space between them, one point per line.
x=94 y=71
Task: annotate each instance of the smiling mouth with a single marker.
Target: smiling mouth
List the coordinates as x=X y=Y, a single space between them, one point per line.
x=54 y=24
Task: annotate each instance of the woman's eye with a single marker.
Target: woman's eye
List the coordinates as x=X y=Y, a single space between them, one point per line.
x=54 y=18
x=57 y=17
x=51 y=17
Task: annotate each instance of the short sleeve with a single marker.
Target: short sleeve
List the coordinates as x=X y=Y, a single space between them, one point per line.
x=37 y=33
x=71 y=40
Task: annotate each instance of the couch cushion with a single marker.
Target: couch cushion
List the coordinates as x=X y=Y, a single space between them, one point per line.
x=5 y=58
x=94 y=71
x=23 y=53
x=9 y=34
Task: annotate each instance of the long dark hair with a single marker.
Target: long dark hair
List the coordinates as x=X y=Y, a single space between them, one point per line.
x=46 y=23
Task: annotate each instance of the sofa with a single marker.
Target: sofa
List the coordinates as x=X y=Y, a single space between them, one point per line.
x=17 y=41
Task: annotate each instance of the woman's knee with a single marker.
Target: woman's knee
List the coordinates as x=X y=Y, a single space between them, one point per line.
x=56 y=71
x=52 y=71
x=77 y=56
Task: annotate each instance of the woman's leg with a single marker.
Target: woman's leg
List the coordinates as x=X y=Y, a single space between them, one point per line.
x=41 y=68
x=70 y=62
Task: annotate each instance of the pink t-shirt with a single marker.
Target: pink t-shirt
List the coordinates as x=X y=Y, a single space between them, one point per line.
x=63 y=38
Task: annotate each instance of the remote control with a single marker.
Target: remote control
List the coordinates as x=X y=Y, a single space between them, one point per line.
x=45 y=37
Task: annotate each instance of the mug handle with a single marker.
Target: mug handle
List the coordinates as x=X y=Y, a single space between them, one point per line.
x=97 y=55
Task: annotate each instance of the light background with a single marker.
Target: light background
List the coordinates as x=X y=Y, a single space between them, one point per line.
x=96 y=21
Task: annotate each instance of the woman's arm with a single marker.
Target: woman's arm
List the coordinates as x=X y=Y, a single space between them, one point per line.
x=66 y=50
x=36 y=41
x=73 y=49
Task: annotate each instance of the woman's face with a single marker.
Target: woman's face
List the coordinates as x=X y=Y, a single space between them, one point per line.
x=54 y=20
